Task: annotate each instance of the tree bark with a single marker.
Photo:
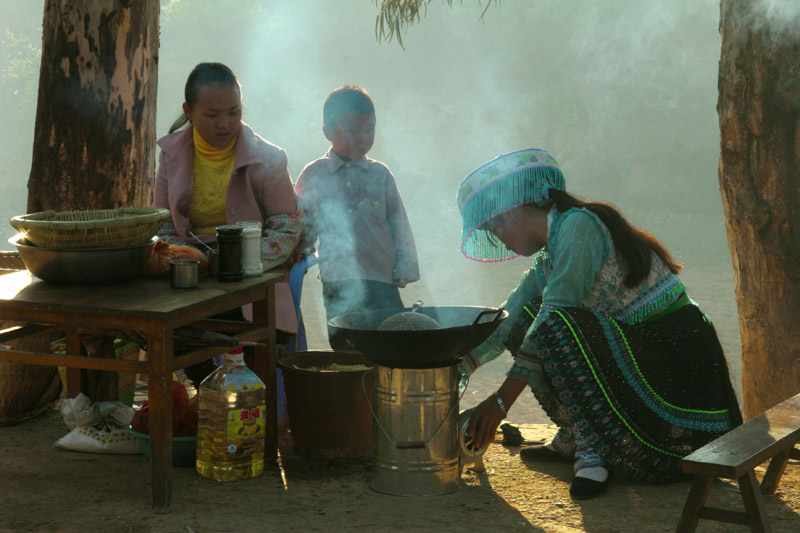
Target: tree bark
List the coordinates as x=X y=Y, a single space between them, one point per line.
x=759 y=116
x=94 y=139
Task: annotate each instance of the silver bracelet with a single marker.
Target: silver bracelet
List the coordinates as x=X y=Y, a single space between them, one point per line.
x=500 y=403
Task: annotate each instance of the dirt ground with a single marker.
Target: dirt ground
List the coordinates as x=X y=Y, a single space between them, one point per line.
x=48 y=489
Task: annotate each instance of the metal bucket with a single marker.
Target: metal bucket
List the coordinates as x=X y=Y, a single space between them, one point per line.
x=416 y=431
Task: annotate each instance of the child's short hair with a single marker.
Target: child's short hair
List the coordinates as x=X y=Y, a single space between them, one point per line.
x=345 y=99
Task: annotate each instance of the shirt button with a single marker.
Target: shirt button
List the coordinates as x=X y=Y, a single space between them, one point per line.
x=349 y=210
x=233 y=211
x=348 y=183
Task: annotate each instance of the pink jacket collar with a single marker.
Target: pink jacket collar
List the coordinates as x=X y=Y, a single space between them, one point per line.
x=176 y=145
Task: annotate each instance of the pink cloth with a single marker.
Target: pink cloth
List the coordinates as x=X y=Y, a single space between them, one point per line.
x=259 y=187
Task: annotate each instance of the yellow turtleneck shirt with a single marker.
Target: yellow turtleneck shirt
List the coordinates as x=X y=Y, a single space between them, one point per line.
x=212 y=171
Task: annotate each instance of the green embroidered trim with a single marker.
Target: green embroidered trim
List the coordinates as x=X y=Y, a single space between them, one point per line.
x=597 y=380
x=525 y=307
x=682 y=301
x=646 y=384
x=641 y=313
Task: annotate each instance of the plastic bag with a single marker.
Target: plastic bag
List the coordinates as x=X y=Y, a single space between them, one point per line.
x=80 y=411
x=103 y=437
x=157 y=265
x=101 y=427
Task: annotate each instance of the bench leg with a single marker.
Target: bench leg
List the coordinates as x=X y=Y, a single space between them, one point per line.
x=753 y=502
x=774 y=472
x=694 y=503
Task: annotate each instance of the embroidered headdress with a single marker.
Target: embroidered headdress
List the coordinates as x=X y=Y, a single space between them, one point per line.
x=505 y=182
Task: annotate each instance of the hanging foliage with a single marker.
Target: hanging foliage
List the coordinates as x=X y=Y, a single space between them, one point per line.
x=396 y=16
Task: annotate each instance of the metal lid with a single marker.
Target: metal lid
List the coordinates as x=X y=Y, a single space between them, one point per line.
x=230 y=230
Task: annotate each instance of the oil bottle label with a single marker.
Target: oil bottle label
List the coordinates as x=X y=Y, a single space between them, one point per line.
x=241 y=379
x=246 y=430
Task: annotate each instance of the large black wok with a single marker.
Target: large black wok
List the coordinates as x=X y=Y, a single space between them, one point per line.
x=463 y=328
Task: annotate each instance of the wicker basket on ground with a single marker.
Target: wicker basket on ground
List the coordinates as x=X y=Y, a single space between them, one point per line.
x=26 y=390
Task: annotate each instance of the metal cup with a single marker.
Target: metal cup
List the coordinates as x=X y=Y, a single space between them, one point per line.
x=183 y=273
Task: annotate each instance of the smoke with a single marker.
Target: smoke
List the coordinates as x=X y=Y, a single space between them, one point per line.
x=781 y=16
x=622 y=93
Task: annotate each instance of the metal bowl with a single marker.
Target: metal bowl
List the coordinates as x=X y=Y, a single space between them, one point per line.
x=84 y=266
x=463 y=328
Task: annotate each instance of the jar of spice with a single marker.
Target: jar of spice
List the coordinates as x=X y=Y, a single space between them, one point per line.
x=229 y=252
x=251 y=248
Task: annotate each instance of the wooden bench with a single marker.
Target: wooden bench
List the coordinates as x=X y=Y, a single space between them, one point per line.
x=771 y=435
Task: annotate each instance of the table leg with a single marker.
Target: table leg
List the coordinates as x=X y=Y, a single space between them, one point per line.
x=77 y=378
x=159 y=387
x=264 y=357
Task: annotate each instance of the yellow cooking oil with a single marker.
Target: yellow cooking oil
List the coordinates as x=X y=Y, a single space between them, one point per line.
x=231 y=422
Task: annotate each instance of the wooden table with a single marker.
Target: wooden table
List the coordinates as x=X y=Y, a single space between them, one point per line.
x=150 y=306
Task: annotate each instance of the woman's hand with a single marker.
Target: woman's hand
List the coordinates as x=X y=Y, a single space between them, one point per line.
x=484 y=422
x=488 y=415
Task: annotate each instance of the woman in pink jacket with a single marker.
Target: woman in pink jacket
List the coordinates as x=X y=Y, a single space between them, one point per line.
x=218 y=171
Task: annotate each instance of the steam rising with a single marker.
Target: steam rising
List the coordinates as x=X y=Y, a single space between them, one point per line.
x=622 y=93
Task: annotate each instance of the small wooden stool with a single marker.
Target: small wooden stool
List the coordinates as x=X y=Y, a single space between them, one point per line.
x=771 y=435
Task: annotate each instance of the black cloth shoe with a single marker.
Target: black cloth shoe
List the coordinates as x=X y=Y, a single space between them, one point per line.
x=541 y=453
x=583 y=488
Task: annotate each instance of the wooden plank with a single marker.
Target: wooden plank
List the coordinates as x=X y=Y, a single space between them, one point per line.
x=250 y=335
x=769 y=484
x=724 y=515
x=747 y=446
x=754 y=503
x=17 y=332
x=73 y=361
x=77 y=378
x=159 y=392
x=264 y=366
x=141 y=297
x=222 y=326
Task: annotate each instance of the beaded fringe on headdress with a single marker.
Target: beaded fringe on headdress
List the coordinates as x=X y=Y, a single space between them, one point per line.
x=501 y=194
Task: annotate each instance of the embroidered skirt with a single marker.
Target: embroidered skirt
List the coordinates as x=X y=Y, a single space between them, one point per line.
x=643 y=396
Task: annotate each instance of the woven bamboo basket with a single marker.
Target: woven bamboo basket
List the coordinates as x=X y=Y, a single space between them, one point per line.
x=26 y=390
x=102 y=228
x=10 y=262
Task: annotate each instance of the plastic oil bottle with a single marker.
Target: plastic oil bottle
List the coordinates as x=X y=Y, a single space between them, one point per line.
x=231 y=422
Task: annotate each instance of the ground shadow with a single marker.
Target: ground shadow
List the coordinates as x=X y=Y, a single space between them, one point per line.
x=630 y=505
x=341 y=489
x=47 y=489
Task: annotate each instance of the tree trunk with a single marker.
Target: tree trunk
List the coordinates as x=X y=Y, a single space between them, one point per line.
x=94 y=140
x=759 y=112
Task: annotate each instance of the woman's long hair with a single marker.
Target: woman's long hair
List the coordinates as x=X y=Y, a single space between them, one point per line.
x=635 y=245
x=203 y=74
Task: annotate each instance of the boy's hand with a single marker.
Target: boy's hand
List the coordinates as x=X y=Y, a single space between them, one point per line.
x=401 y=283
x=301 y=252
